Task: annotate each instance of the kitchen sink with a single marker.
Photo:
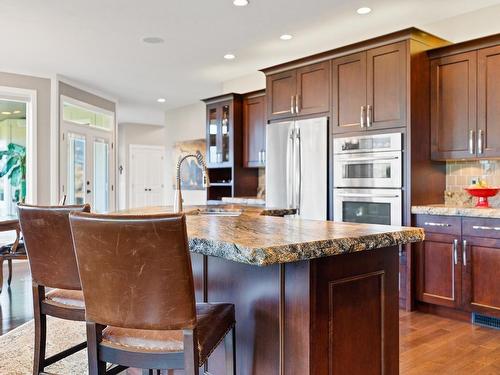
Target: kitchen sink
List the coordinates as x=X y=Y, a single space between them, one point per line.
x=215 y=212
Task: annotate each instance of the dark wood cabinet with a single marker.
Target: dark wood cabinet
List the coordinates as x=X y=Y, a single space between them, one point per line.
x=313 y=89
x=453 y=106
x=299 y=92
x=224 y=155
x=488 y=101
x=465 y=92
x=348 y=92
x=386 y=86
x=369 y=89
x=254 y=130
x=438 y=266
x=281 y=89
x=457 y=264
x=438 y=270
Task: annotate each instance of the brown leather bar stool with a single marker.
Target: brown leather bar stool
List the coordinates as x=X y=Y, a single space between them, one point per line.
x=48 y=241
x=138 y=287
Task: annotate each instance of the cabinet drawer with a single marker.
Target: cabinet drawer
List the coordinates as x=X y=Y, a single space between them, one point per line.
x=481 y=227
x=440 y=224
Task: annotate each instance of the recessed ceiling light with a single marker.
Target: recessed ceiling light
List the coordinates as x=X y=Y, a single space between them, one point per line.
x=286 y=37
x=364 y=10
x=153 y=40
x=16 y=112
x=6 y=113
x=240 y=3
x=229 y=56
x=161 y=100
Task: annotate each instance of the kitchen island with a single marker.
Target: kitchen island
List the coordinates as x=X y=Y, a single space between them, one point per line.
x=311 y=297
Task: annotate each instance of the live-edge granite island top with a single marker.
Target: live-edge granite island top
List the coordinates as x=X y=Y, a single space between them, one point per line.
x=266 y=240
x=325 y=300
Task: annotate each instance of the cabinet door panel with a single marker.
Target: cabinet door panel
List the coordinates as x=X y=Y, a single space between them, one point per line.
x=453 y=105
x=488 y=101
x=254 y=131
x=281 y=87
x=386 y=85
x=313 y=89
x=348 y=92
x=438 y=271
x=481 y=279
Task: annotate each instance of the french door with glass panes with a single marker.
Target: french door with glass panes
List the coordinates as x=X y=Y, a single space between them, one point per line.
x=87 y=159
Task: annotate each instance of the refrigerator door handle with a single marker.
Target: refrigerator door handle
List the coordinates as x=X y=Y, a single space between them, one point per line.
x=289 y=168
x=298 y=171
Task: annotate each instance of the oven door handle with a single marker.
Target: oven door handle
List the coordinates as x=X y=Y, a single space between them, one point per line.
x=347 y=159
x=367 y=195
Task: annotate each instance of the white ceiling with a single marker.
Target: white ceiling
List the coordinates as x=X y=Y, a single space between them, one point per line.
x=99 y=43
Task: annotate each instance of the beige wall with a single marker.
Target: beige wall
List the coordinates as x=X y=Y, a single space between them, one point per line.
x=182 y=124
x=86 y=97
x=139 y=134
x=42 y=88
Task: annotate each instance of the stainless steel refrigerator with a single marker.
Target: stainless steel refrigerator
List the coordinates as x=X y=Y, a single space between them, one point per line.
x=297 y=166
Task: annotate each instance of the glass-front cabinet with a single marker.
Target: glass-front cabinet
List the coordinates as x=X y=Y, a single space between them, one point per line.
x=219 y=133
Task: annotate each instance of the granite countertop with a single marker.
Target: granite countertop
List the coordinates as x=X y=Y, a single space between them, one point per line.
x=448 y=210
x=219 y=207
x=261 y=240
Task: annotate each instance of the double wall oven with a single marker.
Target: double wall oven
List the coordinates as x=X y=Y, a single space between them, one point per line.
x=368 y=179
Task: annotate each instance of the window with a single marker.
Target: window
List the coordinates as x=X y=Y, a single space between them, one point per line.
x=78 y=114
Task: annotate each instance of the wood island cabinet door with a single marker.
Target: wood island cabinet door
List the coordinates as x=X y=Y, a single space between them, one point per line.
x=387 y=86
x=488 y=102
x=313 y=89
x=453 y=106
x=348 y=92
x=254 y=131
x=281 y=89
x=480 y=275
x=439 y=270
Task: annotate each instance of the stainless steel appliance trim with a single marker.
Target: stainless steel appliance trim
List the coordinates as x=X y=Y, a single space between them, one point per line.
x=396 y=143
x=392 y=196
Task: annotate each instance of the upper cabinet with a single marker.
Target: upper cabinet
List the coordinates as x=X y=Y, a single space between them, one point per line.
x=298 y=92
x=254 y=130
x=369 y=89
x=465 y=92
x=219 y=133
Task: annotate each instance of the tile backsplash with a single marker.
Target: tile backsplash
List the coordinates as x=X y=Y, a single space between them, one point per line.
x=460 y=174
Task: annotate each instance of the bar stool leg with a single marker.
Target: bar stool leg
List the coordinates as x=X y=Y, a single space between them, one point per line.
x=94 y=336
x=9 y=280
x=1 y=273
x=40 y=330
x=230 y=348
x=191 y=358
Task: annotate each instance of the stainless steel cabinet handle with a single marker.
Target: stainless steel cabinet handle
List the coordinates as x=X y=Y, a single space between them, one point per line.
x=464 y=252
x=369 y=116
x=455 y=251
x=472 y=135
x=362 y=117
x=482 y=227
x=348 y=160
x=297 y=103
x=431 y=224
x=480 y=134
x=366 y=195
x=292 y=104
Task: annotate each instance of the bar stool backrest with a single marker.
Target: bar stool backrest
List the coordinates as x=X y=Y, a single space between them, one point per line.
x=49 y=244
x=135 y=270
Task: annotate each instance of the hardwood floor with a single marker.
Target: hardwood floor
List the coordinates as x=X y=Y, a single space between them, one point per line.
x=428 y=344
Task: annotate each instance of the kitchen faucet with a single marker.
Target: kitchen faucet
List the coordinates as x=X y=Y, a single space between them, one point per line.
x=206 y=181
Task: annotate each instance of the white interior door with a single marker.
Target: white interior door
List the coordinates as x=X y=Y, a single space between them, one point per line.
x=146 y=177
x=86 y=164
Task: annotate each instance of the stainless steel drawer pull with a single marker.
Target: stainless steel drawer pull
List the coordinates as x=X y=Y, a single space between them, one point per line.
x=431 y=224
x=455 y=251
x=464 y=253
x=482 y=227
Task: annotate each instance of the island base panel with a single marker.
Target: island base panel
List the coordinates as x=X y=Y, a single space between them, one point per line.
x=327 y=316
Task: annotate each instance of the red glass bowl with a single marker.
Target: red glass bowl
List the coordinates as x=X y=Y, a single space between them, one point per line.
x=483 y=194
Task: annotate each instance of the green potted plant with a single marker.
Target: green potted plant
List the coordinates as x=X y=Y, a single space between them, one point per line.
x=14 y=167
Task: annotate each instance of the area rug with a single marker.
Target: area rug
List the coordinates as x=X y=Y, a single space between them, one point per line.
x=16 y=348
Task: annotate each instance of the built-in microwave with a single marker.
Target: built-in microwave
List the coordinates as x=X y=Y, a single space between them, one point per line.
x=370 y=206
x=371 y=161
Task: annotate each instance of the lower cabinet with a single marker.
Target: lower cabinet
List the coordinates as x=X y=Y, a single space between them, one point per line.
x=458 y=264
